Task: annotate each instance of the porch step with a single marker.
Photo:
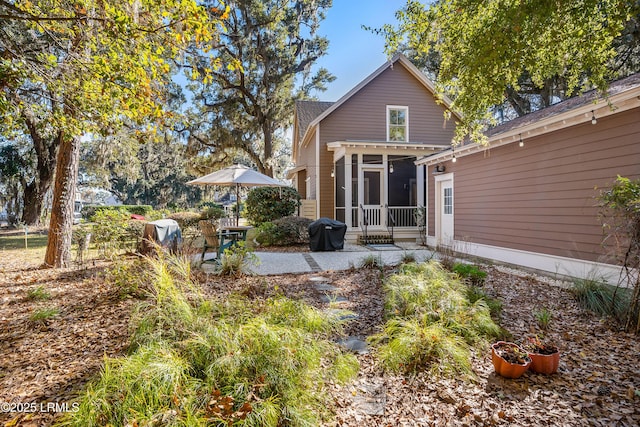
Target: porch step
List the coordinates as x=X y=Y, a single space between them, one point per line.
x=375 y=239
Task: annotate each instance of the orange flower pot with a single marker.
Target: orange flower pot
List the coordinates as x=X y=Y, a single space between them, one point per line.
x=545 y=363
x=509 y=360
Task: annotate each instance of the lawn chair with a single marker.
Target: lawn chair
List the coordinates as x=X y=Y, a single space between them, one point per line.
x=215 y=240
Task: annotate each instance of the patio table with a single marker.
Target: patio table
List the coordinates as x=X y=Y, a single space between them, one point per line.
x=239 y=230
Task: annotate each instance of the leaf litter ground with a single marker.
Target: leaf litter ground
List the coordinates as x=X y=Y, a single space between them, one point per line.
x=597 y=383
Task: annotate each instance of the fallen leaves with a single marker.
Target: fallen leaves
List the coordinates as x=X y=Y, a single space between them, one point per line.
x=597 y=384
x=50 y=361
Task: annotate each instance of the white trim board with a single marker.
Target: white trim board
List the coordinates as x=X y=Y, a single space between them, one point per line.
x=552 y=264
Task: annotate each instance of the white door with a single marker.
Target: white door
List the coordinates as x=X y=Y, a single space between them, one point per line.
x=444 y=209
x=372 y=198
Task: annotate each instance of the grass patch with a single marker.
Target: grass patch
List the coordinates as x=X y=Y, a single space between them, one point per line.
x=431 y=324
x=408 y=257
x=372 y=261
x=602 y=298
x=44 y=314
x=38 y=294
x=543 y=317
x=197 y=361
x=16 y=241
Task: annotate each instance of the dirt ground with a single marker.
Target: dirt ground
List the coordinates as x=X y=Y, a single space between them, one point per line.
x=598 y=383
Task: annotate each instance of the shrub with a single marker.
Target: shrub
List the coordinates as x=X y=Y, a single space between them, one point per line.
x=212 y=213
x=290 y=230
x=110 y=230
x=431 y=324
x=88 y=211
x=471 y=272
x=267 y=234
x=185 y=219
x=293 y=230
x=270 y=203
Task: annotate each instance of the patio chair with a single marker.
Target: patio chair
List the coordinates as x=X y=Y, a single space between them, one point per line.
x=214 y=239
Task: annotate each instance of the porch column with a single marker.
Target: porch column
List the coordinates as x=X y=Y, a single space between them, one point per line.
x=420 y=184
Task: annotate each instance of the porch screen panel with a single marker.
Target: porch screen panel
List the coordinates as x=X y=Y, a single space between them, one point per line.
x=372 y=188
x=339 y=175
x=402 y=181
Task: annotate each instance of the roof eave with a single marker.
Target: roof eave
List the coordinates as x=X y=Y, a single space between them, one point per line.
x=601 y=107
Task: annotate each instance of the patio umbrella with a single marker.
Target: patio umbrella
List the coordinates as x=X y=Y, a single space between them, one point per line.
x=237 y=175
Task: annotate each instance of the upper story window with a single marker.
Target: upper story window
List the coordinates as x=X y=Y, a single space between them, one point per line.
x=397 y=123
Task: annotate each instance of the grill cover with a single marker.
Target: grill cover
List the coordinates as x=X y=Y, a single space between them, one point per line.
x=326 y=234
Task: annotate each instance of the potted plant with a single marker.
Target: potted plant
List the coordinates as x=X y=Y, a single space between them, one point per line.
x=509 y=360
x=545 y=357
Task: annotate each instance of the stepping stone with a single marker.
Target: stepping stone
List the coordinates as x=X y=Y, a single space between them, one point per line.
x=370 y=399
x=354 y=344
x=342 y=314
x=333 y=299
x=324 y=287
x=319 y=279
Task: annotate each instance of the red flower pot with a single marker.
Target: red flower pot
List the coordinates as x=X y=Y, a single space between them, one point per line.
x=509 y=360
x=545 y=363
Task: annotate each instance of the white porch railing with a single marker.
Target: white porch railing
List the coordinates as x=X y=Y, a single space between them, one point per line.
x=404 y=216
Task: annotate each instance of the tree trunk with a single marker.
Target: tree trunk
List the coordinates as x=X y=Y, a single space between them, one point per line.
x=32 y=204
x=46 y=152
x=64 y=194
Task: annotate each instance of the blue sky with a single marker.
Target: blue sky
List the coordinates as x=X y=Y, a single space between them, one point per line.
x=354 y=53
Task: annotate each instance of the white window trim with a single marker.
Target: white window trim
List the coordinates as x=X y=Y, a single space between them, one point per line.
x=406 y=124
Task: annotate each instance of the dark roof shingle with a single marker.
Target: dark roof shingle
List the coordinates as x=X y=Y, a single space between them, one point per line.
x=307 y=111
x=586 y=98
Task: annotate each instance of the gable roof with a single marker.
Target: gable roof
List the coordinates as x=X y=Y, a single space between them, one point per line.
x=397 y=58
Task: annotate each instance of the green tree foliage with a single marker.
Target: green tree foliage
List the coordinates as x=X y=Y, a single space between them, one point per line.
x=151 y=173
x=485 y=48
x=270 y=203
x=246 y=110
x=94 y=66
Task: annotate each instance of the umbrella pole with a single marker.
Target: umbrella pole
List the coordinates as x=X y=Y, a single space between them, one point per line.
x=237 y=204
